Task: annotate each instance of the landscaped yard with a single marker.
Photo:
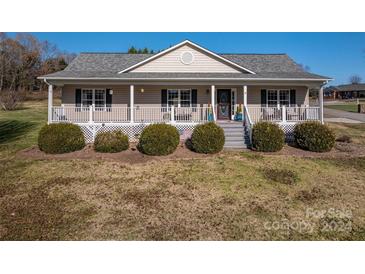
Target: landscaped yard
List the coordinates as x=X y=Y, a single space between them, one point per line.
x=228 y=196
x=351 y=107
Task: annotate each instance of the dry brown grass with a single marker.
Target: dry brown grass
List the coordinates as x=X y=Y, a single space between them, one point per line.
x=221 y=197
x=224 y=197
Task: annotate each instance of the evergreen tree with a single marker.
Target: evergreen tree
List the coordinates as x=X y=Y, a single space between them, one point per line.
x=132 y=50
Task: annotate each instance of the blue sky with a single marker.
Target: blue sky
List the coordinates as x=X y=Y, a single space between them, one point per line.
x=338 y=55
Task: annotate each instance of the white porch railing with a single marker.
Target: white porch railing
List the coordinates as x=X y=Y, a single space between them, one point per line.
x=123 y=114
x=152 y=114
x=283 y=114
x=192 y=114
x=298 y=114
x=175 y=114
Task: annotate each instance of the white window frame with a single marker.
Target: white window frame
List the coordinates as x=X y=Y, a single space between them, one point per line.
x=277 y=96
x=179 y=96
x=93 y=96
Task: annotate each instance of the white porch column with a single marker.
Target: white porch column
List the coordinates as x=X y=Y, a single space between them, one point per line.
x=245 y=96
x=320 y=97
x=131 y=96
x=213 y=101
x=50 y=103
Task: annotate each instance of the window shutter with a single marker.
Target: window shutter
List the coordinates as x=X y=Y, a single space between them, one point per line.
x=194 y=97
x=263 y=97
x=108 y=99
x=164 y=97
x=293 y=99
x=78 y=98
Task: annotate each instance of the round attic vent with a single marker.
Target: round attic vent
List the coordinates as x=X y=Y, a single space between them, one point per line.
x=187 y=57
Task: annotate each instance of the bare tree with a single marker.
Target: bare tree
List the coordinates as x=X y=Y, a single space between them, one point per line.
x=355 y=79
x=22 y=59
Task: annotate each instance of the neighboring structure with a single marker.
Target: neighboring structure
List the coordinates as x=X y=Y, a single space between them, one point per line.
x=350 y=91
x=330 y=93
x=183 y=85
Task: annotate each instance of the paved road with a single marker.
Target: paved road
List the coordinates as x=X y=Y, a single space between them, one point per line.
x=334 y=113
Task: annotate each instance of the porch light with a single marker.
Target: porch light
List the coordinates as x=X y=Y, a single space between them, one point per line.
x=142 y=90
x=111 y=92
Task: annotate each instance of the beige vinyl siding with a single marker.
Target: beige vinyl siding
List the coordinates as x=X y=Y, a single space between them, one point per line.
x=170 y=62
x=254 y=94
x=152 y=94
x=120 y=94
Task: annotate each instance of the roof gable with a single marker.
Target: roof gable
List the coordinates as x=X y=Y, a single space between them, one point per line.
x=198 y=60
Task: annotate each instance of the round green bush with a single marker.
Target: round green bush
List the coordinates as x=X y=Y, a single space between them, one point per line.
x=111 y=141
x=60 y=138
x=208 y=138
x=314 y=136
x=267 y=137
x=159 y=139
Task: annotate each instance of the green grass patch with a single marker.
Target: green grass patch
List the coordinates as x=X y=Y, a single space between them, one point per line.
x=19 y=128
x=344 y=107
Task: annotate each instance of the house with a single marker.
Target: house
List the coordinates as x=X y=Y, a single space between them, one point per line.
x=330 y=93
x=184 y=85
x=350 y=91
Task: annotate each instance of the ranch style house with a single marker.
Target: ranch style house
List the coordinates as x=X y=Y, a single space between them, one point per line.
x=184 y=85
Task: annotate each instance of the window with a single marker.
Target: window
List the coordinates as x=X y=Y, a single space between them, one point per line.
x=185 y=98
x=87 y=97
x=278 y=97
x=179 y=97
x=272 y=98
x=99 y=98
x=284 y=96
x=95 y=97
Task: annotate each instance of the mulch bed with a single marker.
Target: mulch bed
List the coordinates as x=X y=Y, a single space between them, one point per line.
x=133 y=156
x=130 y=156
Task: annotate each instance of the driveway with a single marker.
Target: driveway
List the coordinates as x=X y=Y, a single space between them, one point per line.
x=334 y=113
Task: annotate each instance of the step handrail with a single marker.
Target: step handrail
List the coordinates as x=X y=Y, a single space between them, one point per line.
x=248 y=123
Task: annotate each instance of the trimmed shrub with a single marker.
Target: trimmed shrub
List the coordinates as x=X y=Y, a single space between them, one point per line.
x=208 y=138
x=159 y=139
x=111 y=141
x=267 y=137
x=60 y=138
x=314 y=136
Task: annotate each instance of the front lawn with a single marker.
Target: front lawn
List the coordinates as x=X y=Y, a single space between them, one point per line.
x=350 y=107
x=229 y=196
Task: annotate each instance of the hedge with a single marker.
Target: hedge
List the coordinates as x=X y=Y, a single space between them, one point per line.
x=314 y=136
x=111 y=141
x=208 y=138
x=267 y=137
x=60 y=138
x=159 y=139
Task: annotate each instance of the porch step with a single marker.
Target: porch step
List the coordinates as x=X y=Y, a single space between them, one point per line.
x=234 y=134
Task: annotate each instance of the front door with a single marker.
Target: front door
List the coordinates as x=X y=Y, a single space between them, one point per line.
x=224 y=104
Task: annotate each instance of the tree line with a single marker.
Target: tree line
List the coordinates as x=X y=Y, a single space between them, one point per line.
x=22 y=59
x=134 y=50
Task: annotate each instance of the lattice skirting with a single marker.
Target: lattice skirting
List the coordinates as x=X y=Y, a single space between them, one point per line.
x=288 y=129
x=132 y=131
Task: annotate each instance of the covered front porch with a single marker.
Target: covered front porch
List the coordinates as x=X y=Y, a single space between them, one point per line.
x=187 y=104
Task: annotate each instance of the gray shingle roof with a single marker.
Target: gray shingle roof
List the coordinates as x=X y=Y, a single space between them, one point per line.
x=107 y=65
x=351 y=87
x=105 y=61
x=174 y=75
